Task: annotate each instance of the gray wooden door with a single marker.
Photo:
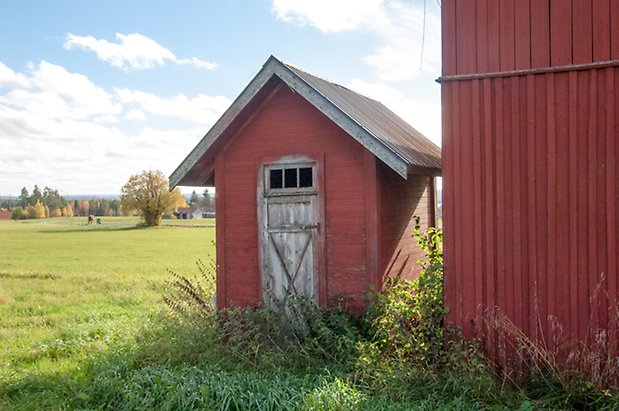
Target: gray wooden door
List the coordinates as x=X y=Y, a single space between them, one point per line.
x=289 y=234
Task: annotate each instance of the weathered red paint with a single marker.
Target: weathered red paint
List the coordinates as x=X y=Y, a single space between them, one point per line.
x=530 y=164
x=359 y=194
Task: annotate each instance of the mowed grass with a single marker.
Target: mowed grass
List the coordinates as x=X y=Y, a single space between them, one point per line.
x=69 y=291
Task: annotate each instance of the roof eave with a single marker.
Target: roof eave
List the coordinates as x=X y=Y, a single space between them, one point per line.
x=224 y=121
x=344 y=121
x=275 y=67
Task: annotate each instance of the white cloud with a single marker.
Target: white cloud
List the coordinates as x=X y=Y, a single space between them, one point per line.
x=135 y=114
x=327 y=15
x=398 y=26
x=8 y=78
x=423 y=116
x=59 y=129
x=132 y=52
x=201 y=109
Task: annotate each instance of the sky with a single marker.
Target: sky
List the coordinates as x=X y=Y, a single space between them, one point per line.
x=94 y=92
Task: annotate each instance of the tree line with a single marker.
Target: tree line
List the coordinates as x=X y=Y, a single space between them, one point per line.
x=49 y=203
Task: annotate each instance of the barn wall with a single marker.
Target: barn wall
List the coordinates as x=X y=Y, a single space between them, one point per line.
x=400 y=200
x=530 y=165
x=483 y=36
x=287 y=125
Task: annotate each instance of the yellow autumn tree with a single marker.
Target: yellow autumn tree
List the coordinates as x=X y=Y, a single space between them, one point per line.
x=68 y=210
x=148 y=193
x=39 y=210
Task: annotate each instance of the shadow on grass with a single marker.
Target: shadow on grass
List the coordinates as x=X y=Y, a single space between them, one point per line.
x=92 y=229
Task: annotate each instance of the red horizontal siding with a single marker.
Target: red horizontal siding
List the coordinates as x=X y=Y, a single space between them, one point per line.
x=400 y=200
x=288 y=125
x=488 y=36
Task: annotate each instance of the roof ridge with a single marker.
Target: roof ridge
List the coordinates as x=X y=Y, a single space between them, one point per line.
x=292 y=66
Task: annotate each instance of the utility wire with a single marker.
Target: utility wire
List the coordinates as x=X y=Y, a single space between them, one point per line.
x=423 y=34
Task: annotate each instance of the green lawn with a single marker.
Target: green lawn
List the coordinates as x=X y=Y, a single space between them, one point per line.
x=69 y=291
x=83 y=326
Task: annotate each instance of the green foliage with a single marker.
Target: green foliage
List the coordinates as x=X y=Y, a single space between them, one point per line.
x=17 y=213
x=193 y=297
x=406 y=319
x=311 y=338
x=148 y=194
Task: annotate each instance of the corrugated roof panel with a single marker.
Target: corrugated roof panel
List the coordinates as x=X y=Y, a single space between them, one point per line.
x=382 y=123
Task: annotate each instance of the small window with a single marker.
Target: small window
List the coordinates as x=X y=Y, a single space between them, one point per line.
x=305 y=177
x=290 y=178
x=275 y=178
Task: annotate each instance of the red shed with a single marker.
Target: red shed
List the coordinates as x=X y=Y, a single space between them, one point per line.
x=530 y=93
x=316 y=187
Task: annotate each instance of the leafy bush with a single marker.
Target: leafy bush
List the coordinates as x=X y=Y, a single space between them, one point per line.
x=405 y=320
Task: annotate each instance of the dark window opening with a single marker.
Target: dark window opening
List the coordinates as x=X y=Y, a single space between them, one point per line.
x=276 y=180
x=290 y=178
x=305 y=177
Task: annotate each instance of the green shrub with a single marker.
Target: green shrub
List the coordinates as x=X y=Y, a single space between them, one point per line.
x=405 y=320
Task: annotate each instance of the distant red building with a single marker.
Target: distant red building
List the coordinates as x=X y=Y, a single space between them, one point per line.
x=530 y=93
x=5 y=215
x=316 y=188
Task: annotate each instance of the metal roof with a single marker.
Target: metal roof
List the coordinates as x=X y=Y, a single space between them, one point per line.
x=378 y=120
x=373 y=125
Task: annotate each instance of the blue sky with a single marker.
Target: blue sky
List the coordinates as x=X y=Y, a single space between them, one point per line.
x=92 y=92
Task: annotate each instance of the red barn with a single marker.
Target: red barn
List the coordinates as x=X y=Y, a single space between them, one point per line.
x=530 y=93
x=316 y=187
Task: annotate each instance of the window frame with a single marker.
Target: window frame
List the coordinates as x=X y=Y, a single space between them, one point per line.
x=286 y=191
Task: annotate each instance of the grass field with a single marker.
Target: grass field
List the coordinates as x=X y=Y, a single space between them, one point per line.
x=83 y=326
x=69 y=290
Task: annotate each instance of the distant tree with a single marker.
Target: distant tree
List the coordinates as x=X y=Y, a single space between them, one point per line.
x=115 y=207
x=39 y=210
x=194 y=200
x=207 y=199
x=24 y=197
x=148 y=193
x=36 y=196
x=84 y=207
x=53 y=200
x=18 y=213
x=69 y=210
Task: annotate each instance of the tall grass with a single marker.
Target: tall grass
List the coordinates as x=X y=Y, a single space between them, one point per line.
x=96 y=335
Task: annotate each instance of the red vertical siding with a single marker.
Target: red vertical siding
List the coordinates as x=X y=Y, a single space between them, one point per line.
x=530 y=164
x=531 y=218
x=490 y=36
